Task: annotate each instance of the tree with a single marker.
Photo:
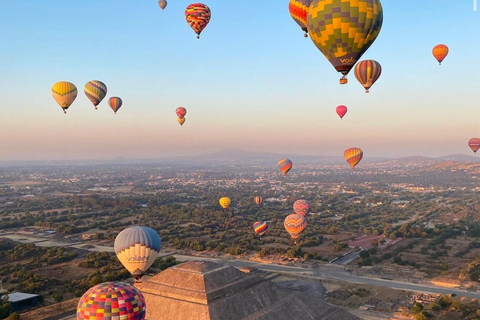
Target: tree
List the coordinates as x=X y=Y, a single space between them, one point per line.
x=13 y=316
x=417 y=308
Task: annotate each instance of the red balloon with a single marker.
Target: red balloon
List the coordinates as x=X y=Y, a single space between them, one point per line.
x=341 y=111
x=474 y=144
x=181 y=112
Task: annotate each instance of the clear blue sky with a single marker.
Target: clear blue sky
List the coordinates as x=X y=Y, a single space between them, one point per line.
x=251 y=82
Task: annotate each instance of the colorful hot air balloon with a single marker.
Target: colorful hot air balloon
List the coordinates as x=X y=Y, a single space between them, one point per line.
x=367 y=72
x=181 y=112
x=260 y=227
x=440 y=52
x=301 y=207
x=95 y=91
x=285 y=165
x=474 y=144
x=295 y=224
x=198 y=16
x=298 y=10
x=137 y=248
x=258 y=200
x=64 y=93
x=344 y=30
x=181 y=121
x=162 y=4
x=341 y=111
x=112 y=300
x=115 y=103
x=224 y=202
x=353 y=156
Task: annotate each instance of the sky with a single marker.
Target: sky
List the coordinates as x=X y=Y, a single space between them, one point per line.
x=252 y=81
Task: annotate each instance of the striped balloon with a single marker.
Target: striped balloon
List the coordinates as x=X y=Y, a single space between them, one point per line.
x=298 y=10
x=137 y=248
x=440 y=52
x=295 y=224
x=115 y=103
x=112 y=300
x=260 y=227
x=198 y=16
x=301 y=207
x=367 y=72
x=285 y=165
x=95 y=91
x=64 y=93
x=474 y=144
x=353 y=156
x=258 y=200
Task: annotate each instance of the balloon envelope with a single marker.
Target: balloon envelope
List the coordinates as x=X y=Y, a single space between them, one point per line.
x=301 y=207
x=440 y=52
x=341 y=111
x=353 y=156
x=64 y=93
x=298 y=10
x=474 y=144
x=95 y=91
x=112 y=300
x=162 y=4
x=285 y=165
x=224 y=202
x=344 y=30
x=181 y=121
x=181 y=112
x=260 y=228
x=367 y=72
x=137 y=248
x=198 y=16
x=258 y=200
x=295 y=224
x=115 y=103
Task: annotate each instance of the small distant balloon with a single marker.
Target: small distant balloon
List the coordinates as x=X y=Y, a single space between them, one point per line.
x=353 y=156
x=181 y=112
x=115 y=103
x=367 y=72
x=162 y=4
x=295 y=224
x=260 y=228
x=341 y=111
x=285 y=165
x=224 y=202
x=198 y=16
x=298 y=10
x=474 y=144
x=95 y=91
x=301 y=207
x=64 y=93
x=440 y=52
x=181 y=121
x=258 y=200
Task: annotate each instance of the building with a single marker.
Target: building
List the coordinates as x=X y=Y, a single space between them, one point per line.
x=22 y=301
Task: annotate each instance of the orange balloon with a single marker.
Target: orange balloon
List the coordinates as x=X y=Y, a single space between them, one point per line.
x=440 y=51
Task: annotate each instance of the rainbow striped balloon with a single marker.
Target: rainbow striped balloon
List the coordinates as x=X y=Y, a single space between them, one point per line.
x=353 y=156
x=198 y=16
x=301 y=207
x=367 y=72
x=298 y=10
x=285 y=165
x=295 y=224
x=115 y=103
x=258 y=200
x=112 y=300
x=95 y=91
x=260 y=227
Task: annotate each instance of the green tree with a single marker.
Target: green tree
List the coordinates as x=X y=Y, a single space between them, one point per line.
x=13 y=316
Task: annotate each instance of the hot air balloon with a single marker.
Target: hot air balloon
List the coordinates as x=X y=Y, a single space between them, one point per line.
x=162 y=4
x=224 y=202
x=198 y=16
x=298 y=10
x=285 y=165
x=440 y=52
x=258 y=200
x=260 y=227
x=353 y=156
x=64 y=93
x=341 y=111
x=301 y=207
x=474 y=144
x=137 y=248
x=112 y=300
x=344 y=30
x=367 y=72
x=181 y=121
x=95 y=91
x=181 y=112
x=295 y=224
x=115 y=103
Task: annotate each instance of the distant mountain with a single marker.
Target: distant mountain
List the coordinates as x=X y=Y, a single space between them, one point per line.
x=460 y=158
